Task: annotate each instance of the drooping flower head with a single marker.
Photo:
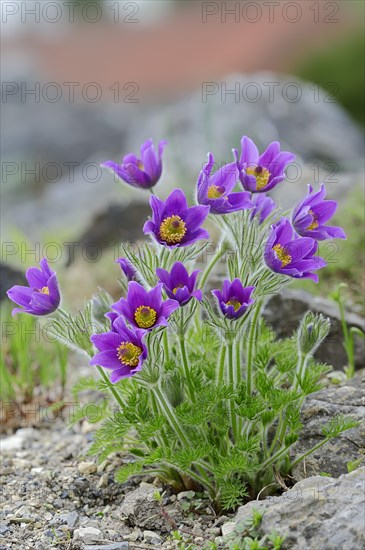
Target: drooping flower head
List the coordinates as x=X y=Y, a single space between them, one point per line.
x=121 y=350
x=42 y=296
x=289 y=254
x=234 y=298
x=260 y=173
x=215 y=190
x=143 y=172
x=145 y=309
x=178 y=284
x=310 y=215
x=128 y=269
x=174 y=223
x=263 y=206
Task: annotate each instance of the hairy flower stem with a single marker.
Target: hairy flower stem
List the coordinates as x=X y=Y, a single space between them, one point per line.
x=238 y=378
x=220 y=372
x=186 y=368
x=274 y=458
x=174 y=423
x=111 y=388
x=166 y=345
x=312 y=450
x=231 y=378
x=251 y=346
x=163 y=438
x=170 y=415
x=214 y=260
x=302 y=363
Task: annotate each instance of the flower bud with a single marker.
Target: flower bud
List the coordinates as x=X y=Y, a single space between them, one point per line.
x=312 y=331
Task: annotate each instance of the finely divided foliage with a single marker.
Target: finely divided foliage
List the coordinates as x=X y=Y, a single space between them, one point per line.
x=206 y=396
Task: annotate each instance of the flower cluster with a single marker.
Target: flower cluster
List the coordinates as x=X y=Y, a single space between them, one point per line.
x=290 y=247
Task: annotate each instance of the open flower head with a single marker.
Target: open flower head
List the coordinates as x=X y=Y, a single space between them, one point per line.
x=260 y=173
x=143 y=172
x=174 y=223
x=145 y=309
x=42 y=296
x=289 y=254
x=234 y=299
x=178 y=284
x=263 y=206
x=310 y=215
x=121 y=350
x=216 y=190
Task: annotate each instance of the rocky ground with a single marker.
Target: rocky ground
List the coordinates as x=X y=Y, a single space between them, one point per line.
x=55 y=495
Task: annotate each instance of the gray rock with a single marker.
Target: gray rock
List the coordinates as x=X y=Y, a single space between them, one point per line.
x=71 y=519
x=88 y=535
x=87 y=468
x=141 y=509
x=318 y=409
x=285 y=311
x=318 y=513
x=152 y=538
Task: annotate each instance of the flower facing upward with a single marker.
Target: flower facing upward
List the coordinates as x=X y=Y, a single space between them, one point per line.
x=178 y=284
x=263 y=206
x=215 y=190
x=310 y=215
x=128 y=269
x=260 y=173
x=143 y=173
x=143 y=309
x=288 y=254
x=121 y=350
x=234 y=298
x=42 y=296
x=174 y=223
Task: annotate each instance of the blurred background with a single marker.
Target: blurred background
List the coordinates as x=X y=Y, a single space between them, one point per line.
x=87 y=81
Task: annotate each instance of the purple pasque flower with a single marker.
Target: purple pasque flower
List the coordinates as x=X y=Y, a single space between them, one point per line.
x=174 y=223
x=289 y=254
x=128 y=268
x=121 y=350
x=142 y=172
x=145 y=309
x=263 y=206
x=234 y=298
x=260 y=173
x=310 y=215
x=215 y=190
x=178 y=284
x=42 y=296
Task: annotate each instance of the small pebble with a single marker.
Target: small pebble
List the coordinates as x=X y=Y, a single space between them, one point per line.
x=87 y=468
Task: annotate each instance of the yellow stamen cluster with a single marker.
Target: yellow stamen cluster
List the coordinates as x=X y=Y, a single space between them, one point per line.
x=314 y=223
x=177 y=288
x=145 y=316
x=128 y=354
x=262 y=175
x=44 y=290
x=215 y=192
x=235 y=303
x=172 y=230
x=282 y=255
